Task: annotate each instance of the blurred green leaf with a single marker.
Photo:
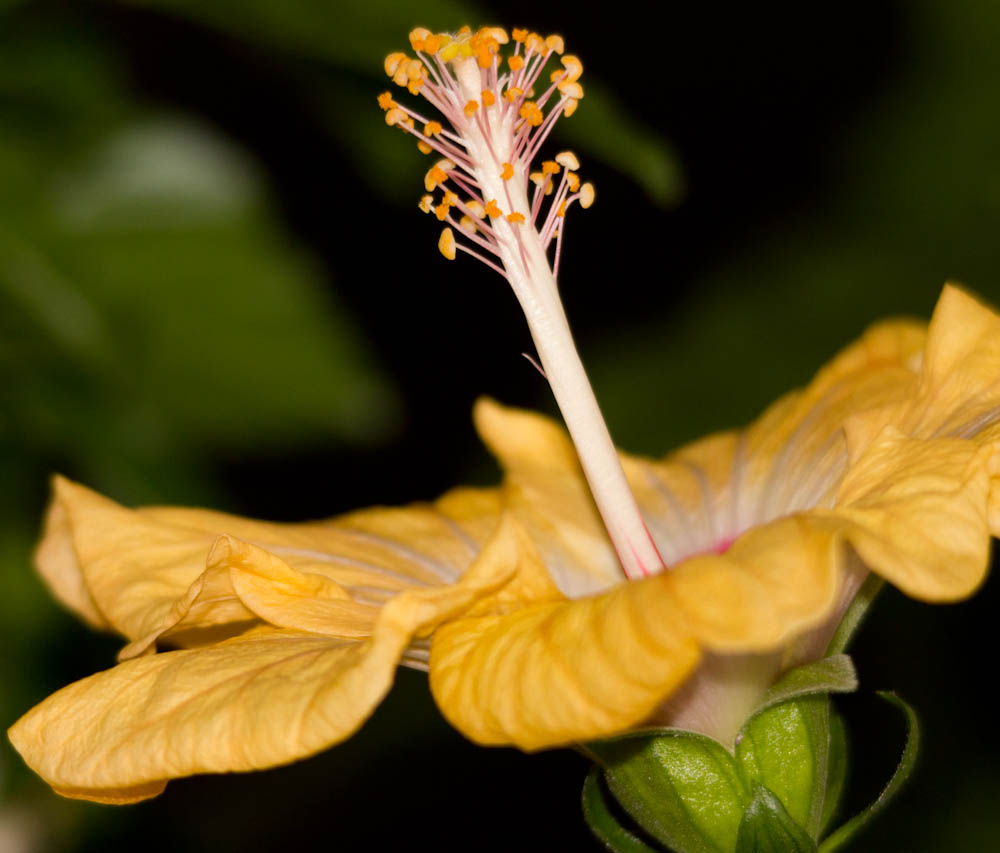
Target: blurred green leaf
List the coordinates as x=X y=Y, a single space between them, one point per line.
x=149 y=302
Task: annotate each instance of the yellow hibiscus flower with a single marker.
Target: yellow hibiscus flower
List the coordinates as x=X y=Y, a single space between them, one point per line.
x=513 y=597
x=591 y=592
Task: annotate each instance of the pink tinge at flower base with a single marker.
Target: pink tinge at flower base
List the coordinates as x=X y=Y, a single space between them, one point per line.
x=509 y=216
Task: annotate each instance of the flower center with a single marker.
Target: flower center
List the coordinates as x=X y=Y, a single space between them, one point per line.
x=496 y=126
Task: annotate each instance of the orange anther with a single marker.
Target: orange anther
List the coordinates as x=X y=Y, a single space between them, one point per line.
x=562 y=210
x=423 y=147
x=393 y=61
x=432 y=128
x=492 y=210
x=516 y=63
x=531 y=113
x=435 y=175
x=515 y=218
x=417 y=37
x=550 y=167
x=498 y=34
x=433 y=43
x=446 y=244
x=513 y=93
x=571 y=89
x=573 y=66
x=470 y=108
x=570 y=107
x=441 y=211
x=568 y=159
x=425 y=203
x=573 y=181
x=508 y=172
x=489 y=99
x=555 y=43
x=385 y=101
x=518 y=35
x=587 y=195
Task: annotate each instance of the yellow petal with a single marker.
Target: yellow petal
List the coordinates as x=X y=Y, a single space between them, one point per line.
x=556 y=672
x=141 y=570
x=57 y=563
x=265 y=698
x=916 y=511
x=244 y=583
x=545 y=488
x=775 y=582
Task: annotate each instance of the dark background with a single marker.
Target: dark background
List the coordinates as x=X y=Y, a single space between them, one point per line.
x=215 y=289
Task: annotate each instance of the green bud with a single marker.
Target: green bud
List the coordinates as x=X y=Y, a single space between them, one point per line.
x=775 y=789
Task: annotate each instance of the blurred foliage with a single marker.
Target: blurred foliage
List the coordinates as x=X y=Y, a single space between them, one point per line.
x=214 y=289
x=147 y=286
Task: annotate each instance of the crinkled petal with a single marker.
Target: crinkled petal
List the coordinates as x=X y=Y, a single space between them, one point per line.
x=554 y=672
x=244 y=583
x=261 y=699
x=917 y=512
x=775 y=582
x=131 y=570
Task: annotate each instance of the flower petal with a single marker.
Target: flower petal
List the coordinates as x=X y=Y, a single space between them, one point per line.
x=557 y=672
x=703 y=496
x=529 y=667
x=244 y=583
x=545 y=488
x=138 y=571
x=916 y=511
x=775 y=582
x=261 y=699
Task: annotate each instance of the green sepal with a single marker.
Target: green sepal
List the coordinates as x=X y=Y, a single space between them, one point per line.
x=855 y=614
x=907 y=761
x=603 y=823
x=834 y=674
x=767 y=827
x=690 y=792
x=787 y=749
x=836 y=771
x=786 y=743
x=683 y=788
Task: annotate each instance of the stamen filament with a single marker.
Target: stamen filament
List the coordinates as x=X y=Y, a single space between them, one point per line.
x=496 y=132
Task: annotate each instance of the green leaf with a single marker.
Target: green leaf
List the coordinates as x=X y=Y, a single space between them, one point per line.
x=603 y=824
x=767 y=828
x=855 y=614
x=164 y=310
x=835 y=674
x=907 y=761
x=604 y=130
x=683 y=788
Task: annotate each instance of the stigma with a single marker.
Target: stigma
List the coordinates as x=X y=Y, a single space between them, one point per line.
x=497 y=98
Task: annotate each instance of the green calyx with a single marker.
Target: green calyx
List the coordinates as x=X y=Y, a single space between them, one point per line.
x=776 y=790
